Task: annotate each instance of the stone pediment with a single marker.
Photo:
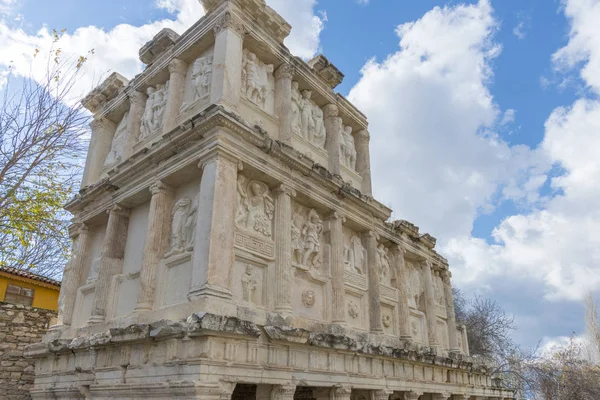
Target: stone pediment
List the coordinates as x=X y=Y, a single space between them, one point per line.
x=163 y=41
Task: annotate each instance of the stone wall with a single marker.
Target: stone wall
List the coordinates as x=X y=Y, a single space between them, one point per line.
x=19 y=327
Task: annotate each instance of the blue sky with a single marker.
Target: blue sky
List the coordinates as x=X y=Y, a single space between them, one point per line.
x=484 y=117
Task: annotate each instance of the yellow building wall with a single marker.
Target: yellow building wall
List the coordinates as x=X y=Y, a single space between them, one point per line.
x=43 y=297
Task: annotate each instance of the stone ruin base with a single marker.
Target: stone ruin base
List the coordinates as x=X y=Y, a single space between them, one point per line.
x=216 y=357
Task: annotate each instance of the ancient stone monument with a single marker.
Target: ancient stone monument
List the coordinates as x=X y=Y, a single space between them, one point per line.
x=227 y=246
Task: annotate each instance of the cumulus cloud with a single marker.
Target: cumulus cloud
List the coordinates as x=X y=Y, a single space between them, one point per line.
x=438 y=160
x=117 y=49
x=557 y=245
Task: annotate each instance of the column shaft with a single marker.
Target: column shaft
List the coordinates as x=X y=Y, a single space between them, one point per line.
x=178 y=71
x=72 y=275
x=111 y=262
x=158 y=234
x=283 y=248
x=337 y=269
x=430 y=305
x=283 y=101
x=451 y=315
x=137 y=101
x=103 y=131
x=363 y=160
x=283 y=392
x=227 y=62
x=401 y=280
x=213 y=258
x=374 y=289
x=333 y=127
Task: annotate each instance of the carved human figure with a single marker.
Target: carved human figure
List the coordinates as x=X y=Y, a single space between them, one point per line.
x=320 y=134
x=249 y=284
x=414 y=287
x=154 y=111
x=354 y=255
x=115 y=155
x=190 y=227
x=311 y=233
x=181 y=212
x=296 y=107
x=347 y=148
x=148 y=116
x=255 y=77
x=383 y=265
x=297 y=245
x=306 y=120
x=94 y=269
x=256 y=208
x=201 y=81
x=438 y=289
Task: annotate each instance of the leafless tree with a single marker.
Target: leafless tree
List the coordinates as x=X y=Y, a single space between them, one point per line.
x=43 y=135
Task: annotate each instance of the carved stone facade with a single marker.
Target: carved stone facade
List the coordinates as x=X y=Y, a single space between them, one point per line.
x=229 y=246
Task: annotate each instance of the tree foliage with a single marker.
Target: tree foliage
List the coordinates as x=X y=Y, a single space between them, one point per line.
x=43 y=130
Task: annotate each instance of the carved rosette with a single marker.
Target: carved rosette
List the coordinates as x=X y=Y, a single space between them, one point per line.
x=353 y=309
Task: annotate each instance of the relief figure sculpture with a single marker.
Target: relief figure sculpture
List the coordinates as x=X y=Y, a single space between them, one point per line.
x=249 y=284
x=182 y=228
x=296 y=107
x=355 y=256
x=383 y=265
x=414 y=288
x=255 y=78
x=347 y=149
x=201 y=81
x=438 y=289
x=255 y=207
x=311 y=233
x=115 y=155
x=307 y=117
x=154 y=111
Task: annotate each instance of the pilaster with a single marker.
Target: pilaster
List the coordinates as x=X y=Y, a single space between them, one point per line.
x=401 y=281
x=363 y=160
x=157 y=242
x=227 y=62
x=341 y=393
x=103 y=131
x=212 y=260
x=72 y=275
x=178 y=72
x=451 y=314
x=374 y=289
x=137 y=105
x=283 y=249
x=333 y=128
x=111 y=260
x=430 y=310
x=336 y=222
x=283 y=101
x=283 y=392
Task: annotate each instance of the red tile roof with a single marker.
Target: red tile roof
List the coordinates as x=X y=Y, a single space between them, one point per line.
x=26 y=274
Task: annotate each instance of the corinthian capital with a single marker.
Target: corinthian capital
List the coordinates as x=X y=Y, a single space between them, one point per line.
x=229 y=21
x=285 y=71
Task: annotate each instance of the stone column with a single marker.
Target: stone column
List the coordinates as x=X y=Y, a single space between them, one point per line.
x=212 y=261
x=283 y=101
x=80 y=235
x=227 y=61
x=401 y=281
x=363 y=160
x=341 y=393
x=413 y=395
x=158 y=235
x=381 y=394
x=283 y=249
x=111 y=260
x=178 y=70
x=333 y=127
x=137 y=101
x=374 y=289
x=465 y=342
x=430 y=310
x=283 y=392
x=451 y=315
x=336 y=223
x=103 y=131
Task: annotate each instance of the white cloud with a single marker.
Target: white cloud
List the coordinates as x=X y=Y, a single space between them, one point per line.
x=437 y=160
x=559 y=244
x=117 y=49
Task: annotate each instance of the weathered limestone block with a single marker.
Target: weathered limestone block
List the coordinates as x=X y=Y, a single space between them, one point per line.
x=200 y=323
x=162 y=41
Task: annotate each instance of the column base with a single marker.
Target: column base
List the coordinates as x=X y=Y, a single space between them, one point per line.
x=95 y=320
x=210 y=291
x=57 y=327
x=140 y=308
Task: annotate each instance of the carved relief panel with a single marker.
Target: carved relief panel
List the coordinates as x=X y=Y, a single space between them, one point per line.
x=117 y=148
x=357 y=315
x=309 y=296
x=388 y=319
x=415 y=286
x=355 y=254
x=347 y=149
x=199 y=81
x=258 y=83
x=384 y=265
x=438 y=292
x=249 y=279
x=308 y=122
x=183 y=226
x=418 y=327
x=442 y=333
x=152 y=119
x=307 y=239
